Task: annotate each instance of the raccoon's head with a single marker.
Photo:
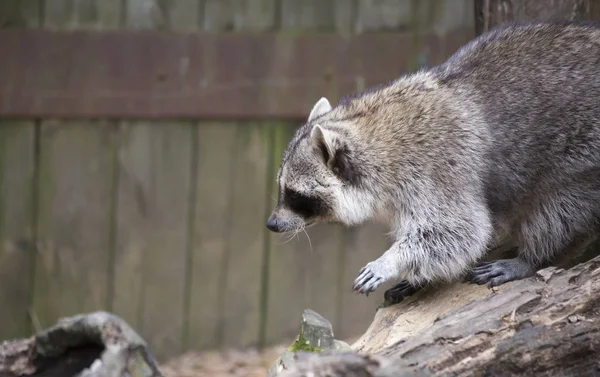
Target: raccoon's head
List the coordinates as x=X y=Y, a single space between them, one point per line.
x=319 y=178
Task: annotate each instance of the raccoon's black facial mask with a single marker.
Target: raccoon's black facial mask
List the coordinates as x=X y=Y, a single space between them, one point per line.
x=304 y=205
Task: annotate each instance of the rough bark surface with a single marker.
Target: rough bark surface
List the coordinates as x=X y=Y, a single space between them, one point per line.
x=547 y=325
x=91 y=345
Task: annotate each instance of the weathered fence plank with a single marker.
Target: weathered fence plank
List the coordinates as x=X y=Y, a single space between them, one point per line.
x=308 y=15
x=288 y=264
x=217 y=150
x=173 y=15
x=227 y=76
x=17 y=238
x=20 y=13
x=82 y=14
x=185 y=15
x=325 y=271
x=18 y=202
x=307 y=266
x=373 y=15
x=154 y=183
x=75 y=187
x=145 y=14
x=232 y=15
x=242 y=285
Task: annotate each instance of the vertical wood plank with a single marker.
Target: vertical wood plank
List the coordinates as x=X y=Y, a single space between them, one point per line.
x=75 y=185
x=289 y=266
x=17 y=241
x=235 y=15
x=227 y=242
x=18 y=173
x=146 y=14
x=241 y=290
x=20 y=13
x=344 y=15
x=452 y=15
x=75 y=192
x=379 y=15
x=212 y=231
x=306 y=272
x=185 y=15
x=154 y=182
x=314 y=15
x=82 y=14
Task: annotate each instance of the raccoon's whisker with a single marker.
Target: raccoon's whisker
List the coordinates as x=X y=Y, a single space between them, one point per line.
x=296 y=234
x=309 y=241
x=290 y=236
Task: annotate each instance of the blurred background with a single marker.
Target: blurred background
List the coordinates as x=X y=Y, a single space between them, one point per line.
x=139 y=143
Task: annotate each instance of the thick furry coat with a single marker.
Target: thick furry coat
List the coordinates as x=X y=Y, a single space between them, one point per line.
x=499 y=144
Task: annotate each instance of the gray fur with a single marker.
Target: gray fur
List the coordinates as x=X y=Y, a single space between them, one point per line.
x=498 y=145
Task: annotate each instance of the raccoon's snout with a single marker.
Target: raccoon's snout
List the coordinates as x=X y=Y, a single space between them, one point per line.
x=273 y=224
x=282 y=221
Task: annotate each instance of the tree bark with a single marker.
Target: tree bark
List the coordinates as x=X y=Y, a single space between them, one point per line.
x=548 y=325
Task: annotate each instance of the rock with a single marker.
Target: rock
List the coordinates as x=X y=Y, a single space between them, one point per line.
x=341 y=346
x=315 y=336
x=316 y=330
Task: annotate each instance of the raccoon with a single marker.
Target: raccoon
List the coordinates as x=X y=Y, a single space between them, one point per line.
x=498 y=145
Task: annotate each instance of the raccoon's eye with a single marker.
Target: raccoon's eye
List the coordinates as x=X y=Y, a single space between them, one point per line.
x=304 y=205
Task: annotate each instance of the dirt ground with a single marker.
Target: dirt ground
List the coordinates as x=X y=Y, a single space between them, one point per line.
x=229 y=363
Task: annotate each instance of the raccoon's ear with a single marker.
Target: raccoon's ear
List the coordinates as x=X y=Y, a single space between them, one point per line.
x=336 y=154
x=321 y=107
x=324 y=141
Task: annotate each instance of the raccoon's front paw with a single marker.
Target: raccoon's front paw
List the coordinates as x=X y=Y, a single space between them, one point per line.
x=369 y=278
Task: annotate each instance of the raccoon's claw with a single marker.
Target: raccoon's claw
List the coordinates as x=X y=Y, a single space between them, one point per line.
x=500 y=271
x=368 y=280
x=399 y=292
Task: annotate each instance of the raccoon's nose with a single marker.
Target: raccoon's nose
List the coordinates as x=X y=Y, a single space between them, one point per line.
x=273 y=225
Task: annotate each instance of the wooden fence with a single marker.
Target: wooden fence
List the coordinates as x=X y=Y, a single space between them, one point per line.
x=160 y=219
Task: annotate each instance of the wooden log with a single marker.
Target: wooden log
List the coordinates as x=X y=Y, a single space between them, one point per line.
x=97 y=344
x=547 y=325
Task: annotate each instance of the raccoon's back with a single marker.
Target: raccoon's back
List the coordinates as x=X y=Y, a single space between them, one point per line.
x=537 y=88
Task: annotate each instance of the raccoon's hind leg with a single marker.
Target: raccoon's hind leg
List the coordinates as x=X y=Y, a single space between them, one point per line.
x=399 y=292
x=501 y=271
x=560 y=225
